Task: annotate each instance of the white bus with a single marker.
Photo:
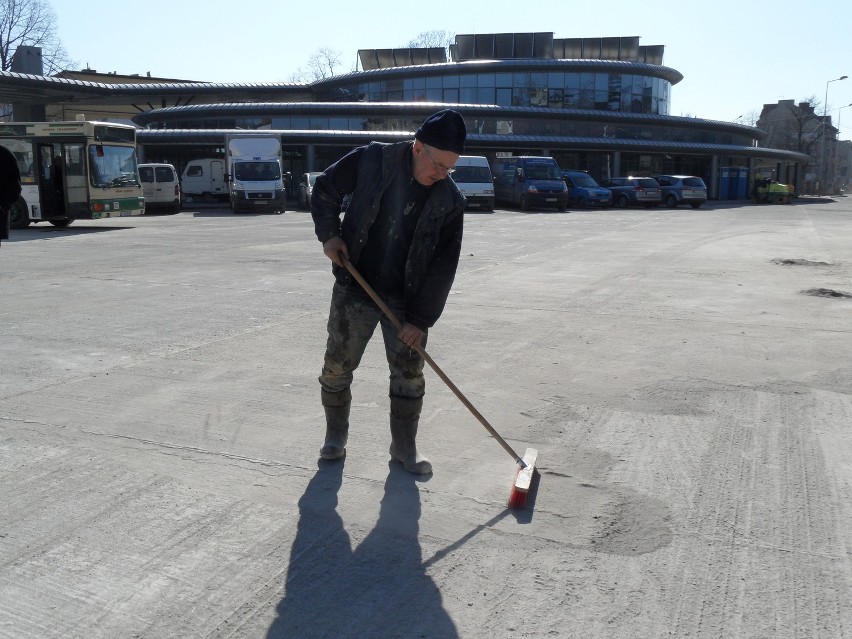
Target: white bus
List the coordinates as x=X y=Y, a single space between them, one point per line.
x=73 y=170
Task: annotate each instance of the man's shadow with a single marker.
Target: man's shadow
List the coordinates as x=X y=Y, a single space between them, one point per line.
x=379 y=589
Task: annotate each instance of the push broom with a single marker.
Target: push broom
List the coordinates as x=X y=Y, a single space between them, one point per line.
x=526 y=464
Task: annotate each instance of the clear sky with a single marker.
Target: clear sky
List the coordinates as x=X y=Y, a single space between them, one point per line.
x=734 y=56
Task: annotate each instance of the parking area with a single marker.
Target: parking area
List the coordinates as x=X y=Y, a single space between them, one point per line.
x=684 y=373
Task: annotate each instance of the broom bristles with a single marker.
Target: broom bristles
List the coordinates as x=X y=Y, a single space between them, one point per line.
x=523 y=480
x=517 y=499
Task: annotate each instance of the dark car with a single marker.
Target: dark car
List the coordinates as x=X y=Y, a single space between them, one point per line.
x=583 y=191
x=682 y=189
x=627 y=191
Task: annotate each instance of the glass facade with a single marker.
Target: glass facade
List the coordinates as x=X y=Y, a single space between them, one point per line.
x=509 y=124
x=558 y=90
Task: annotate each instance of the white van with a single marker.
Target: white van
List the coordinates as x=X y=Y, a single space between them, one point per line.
x=160 y=186
x=473 y=177
x=205 y=178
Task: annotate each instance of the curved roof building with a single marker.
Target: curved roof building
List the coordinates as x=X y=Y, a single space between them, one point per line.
x=596 y=104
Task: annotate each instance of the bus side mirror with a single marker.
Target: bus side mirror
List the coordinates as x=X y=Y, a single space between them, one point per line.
x=227 y=177
x=99 y=151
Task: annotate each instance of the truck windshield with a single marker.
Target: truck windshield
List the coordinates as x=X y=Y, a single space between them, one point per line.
x=541 y=171
x=469 y=174
x=248 y=171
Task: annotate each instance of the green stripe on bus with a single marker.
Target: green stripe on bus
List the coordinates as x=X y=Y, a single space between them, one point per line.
x=116 y=204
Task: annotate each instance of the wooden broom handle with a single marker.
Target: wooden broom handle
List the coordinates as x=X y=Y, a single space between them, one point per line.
x=384 y=308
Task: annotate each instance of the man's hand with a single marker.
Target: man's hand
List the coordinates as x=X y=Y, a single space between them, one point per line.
x=410 y=335
x=333 y=247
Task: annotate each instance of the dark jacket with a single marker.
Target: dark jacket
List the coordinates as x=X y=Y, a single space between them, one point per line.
x=434 y=253
x=10 y=188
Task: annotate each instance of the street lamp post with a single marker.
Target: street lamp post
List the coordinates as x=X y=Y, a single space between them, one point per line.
x=822 y=137
x=836 y=165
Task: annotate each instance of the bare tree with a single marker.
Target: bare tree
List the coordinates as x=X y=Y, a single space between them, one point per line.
x=323 y=62
x=321 y=65
x=30 y=23
x=437 y=38
x=751 y=117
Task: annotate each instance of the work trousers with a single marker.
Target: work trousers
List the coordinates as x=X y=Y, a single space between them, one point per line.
x=351 y=322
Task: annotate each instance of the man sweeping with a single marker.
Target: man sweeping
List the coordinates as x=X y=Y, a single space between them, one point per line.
x=402 y=230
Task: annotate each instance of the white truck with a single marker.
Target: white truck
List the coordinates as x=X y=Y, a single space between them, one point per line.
x=253 y=172
x=473 y=177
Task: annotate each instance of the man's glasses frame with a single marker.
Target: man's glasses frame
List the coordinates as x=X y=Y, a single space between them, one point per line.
x=440 y=168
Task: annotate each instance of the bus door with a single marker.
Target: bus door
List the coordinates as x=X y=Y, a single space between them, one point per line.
x=76 y=182
x=51 y=180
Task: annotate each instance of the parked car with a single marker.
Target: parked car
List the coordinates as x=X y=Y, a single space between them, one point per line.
x=627 y=191
x=160 y=186
x=306 y=186
x=583 y=191
x=682 y=189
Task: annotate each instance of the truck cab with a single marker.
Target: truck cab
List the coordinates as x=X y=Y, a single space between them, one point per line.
x=473 y=177
x=254 y=176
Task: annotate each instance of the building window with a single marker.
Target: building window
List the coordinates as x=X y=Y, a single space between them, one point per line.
x=503 y=80
x=485 y=80
x=555 y=98
x=505 y=127
x=538 y=97
x=587 y=91
x=467 y=95
x=451 y=82
x=485 y=95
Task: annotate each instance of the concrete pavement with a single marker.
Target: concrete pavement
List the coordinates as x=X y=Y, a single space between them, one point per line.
x=160 y=424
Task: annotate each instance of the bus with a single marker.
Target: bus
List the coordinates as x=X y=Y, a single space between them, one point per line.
x=73 y=170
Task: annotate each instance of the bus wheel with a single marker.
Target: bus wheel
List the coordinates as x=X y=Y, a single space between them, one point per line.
x=18 y=216
x=62 y=222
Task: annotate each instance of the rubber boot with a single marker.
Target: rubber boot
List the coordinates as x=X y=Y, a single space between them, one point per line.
x=404 y=417
x=336 y=407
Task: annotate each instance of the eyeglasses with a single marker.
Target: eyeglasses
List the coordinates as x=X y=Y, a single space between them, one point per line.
x=439 y=168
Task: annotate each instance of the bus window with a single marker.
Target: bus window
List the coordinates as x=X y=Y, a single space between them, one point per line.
x=23 y=152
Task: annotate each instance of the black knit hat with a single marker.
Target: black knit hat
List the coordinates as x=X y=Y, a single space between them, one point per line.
x=444 y=130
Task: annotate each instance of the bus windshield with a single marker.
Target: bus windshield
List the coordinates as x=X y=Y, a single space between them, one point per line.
x=112 y=165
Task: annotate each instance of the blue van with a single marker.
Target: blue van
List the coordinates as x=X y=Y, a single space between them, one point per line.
x=583 y=191
x=529 y=180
